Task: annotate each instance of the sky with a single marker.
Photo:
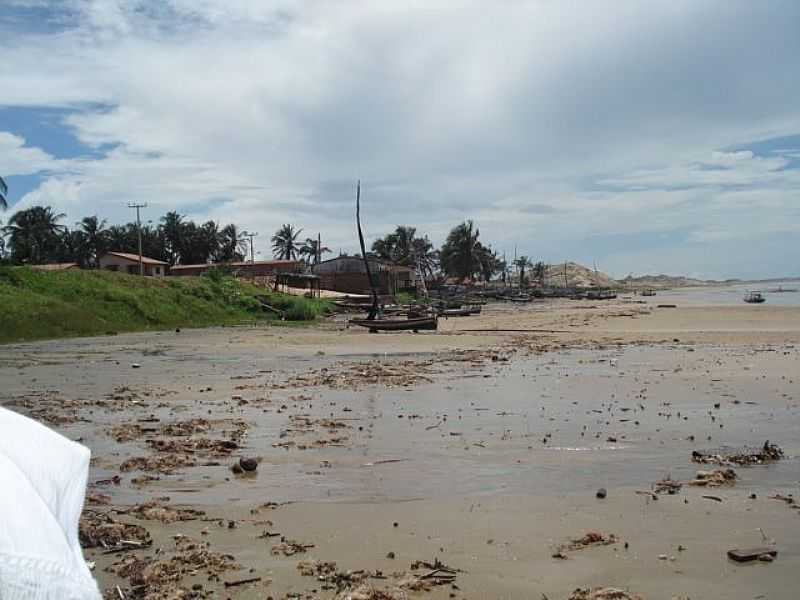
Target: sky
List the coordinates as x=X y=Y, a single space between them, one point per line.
x=643 y=137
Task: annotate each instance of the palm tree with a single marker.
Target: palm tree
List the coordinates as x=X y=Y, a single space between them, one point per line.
x=311 y=250
x=460 y=253
x=95 y=238
x=404 y=247
x=522 y=263
x=488 y=261
x=232 y=244
x=3 y=193
x=284 y=242
x=34 y=234
x=172 y=229
x=539 y=271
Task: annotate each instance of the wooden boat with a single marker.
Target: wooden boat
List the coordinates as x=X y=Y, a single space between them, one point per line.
x=418 y=324
x=648 y=292
x=754 y=298
x=600 y=295
x=475 y=309
x=519 y=298
x=455 y=312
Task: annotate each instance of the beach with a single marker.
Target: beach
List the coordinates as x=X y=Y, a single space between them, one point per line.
x=481 y=446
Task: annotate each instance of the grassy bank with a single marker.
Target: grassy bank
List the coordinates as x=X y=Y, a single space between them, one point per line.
x=39 y=305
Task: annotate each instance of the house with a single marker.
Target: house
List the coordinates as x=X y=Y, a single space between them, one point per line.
x=348 y=274
x=129 y=263
x=260 y=268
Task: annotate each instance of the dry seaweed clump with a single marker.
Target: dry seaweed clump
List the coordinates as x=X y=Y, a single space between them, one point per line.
x=741 y=456
x=592 y=538
x=166 y=463
x=157 y=510
x=355 y=376
x=162 y=579
x=606 y=593
x=99 y=530
x=194 y=444
x=714 y=478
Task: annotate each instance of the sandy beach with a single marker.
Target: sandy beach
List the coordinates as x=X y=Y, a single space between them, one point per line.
x=481 y=446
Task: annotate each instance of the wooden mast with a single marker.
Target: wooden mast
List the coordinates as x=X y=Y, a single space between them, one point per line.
x=373 y=312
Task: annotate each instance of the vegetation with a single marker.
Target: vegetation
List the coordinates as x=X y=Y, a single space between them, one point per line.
x=403 y=247
x=39 y=305
x=284 y=242
x=37 y=236
x=463 y=256
x=311 y=251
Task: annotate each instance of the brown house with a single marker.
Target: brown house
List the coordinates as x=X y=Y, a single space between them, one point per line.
x=260 y=268
x=129 y=263
x=348 y=274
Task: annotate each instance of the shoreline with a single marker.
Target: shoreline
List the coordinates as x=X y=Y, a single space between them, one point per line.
x=485 y=449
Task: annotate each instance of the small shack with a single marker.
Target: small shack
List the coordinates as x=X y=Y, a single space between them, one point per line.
x=290 y=283
x=129 y=263
x=348 y=274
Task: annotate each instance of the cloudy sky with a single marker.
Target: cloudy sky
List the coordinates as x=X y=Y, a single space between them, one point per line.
x=658 y=136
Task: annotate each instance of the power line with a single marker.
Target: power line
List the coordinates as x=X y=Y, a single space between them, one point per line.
x=247 y=234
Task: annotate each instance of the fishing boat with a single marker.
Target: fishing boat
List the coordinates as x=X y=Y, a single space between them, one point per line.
x=648 y=292
x=780 y=290
x=754 y=298
x=521 y=298
x=455 y=312
x=417 y=324
x=475 y=309
x=600 y=295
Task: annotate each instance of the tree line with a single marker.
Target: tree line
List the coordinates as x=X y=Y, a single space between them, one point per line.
x=37 y=235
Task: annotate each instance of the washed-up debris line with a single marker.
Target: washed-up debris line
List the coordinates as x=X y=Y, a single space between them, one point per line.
x=290 y=547
x=667 y=486
x=740 y=456
x=100 y=530
x=156 y=579
x=193 y=445
x=157 y=510
x=354 y=585
x=606 y=593
x=354 y=376
x=164 y=463
x=592 y=538
x=714 y=478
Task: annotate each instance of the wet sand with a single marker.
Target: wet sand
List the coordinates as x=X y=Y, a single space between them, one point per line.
x=498 y=440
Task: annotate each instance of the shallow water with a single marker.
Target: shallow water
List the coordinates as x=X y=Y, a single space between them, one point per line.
x=733 y=294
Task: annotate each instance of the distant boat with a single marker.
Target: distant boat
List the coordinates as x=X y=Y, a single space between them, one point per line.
x=648 y=292
x=780 y=289
x=600 y=295
x=754 y=298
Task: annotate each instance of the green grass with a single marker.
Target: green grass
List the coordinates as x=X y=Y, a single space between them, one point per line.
x=40 y=305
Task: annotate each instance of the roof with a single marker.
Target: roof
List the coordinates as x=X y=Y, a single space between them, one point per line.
x=135 y=258
x=258 y=263
x=56 y=266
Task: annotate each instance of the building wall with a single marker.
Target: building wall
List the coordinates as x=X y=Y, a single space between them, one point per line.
x=123 y=265
x=240 y=269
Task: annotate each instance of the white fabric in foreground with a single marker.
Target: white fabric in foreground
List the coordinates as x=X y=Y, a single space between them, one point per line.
x=42 y=485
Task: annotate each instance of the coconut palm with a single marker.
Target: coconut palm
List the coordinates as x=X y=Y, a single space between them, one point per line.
x=522 y=263
x=311 y=250
x=539 y=272
x=404 y=247
x=488 y=261
x=284 y=242
x=232 y=244
x=460 y=253
x=172 y=228
x=34 y=234
x=95 y=238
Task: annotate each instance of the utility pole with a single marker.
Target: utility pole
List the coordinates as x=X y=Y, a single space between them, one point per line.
x=139 y=230
x=251 y=236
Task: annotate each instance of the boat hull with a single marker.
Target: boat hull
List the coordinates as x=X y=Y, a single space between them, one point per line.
x=421 y=324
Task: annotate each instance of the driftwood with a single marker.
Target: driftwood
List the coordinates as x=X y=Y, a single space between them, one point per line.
x=229 y=584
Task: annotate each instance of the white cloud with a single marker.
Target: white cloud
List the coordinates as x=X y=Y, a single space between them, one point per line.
x=266 y=112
